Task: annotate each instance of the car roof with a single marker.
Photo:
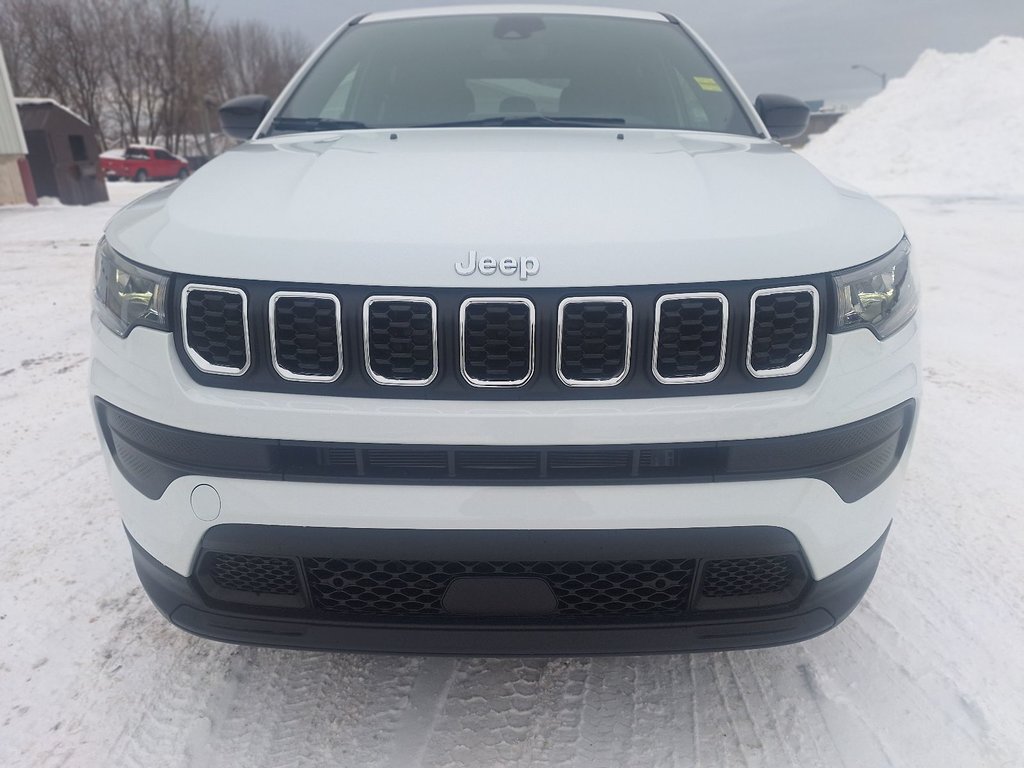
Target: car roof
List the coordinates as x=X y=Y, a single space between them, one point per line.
x=504 y=10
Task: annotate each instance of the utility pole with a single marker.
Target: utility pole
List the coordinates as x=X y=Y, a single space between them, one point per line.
x=880 y=75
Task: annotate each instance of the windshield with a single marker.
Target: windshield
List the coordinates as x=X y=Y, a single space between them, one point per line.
x=522 y=69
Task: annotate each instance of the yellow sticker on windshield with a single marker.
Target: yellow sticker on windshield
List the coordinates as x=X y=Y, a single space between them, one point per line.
x=708 y=84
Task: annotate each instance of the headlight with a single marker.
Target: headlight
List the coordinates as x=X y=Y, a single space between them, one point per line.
x=128 y=295
x=880 y=295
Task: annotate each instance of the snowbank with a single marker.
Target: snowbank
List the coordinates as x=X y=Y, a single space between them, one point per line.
x=952 y=126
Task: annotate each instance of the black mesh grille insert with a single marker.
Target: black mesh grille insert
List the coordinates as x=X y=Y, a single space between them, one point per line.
x=608 y=463
x=690 y=333
x=594 y=340
x=782 y=329
x=408 y=463
x=404 y=587
x=253 y=573
x=489 y=464
x=306 y=339
x=749 y=576
x=400 y=339
x=497 y=344
x=215 y=327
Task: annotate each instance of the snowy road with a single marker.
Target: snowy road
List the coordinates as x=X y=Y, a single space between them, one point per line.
x=927 y=672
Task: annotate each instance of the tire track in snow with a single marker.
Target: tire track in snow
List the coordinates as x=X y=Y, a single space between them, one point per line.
x=716 y=741
x=166 y=707
x=772 y=747
x=302 y=708
x=487 y=718
x=427 y=700
x=608 y=719
x=796 y=728
x=509 y=713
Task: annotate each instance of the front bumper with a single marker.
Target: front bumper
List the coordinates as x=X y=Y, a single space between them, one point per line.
x=838 y=541
x=814 y=609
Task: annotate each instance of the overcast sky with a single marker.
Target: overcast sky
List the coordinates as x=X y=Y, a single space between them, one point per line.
x=803 y=48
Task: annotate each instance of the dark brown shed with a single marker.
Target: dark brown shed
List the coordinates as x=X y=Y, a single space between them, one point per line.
x=63 y=153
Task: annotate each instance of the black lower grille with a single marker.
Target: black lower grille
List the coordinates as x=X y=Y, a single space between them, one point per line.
x=400 y=340
x=782 y=329
x=750 y=582
x=594 y=340
x=405 y=587
x=253 y=573
x=215 y=329
x=580 y=589
x=307 y=342
x=749 y=576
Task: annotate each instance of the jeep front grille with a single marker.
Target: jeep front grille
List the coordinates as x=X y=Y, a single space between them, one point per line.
x=216 y=322
x=689 y=337
x=636 y=342
x=400 y=340
x=497 y=339
x=305 y=336
x=783 y=330
x=594 y=340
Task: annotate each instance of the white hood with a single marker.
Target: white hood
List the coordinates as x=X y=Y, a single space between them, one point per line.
x=361 y=207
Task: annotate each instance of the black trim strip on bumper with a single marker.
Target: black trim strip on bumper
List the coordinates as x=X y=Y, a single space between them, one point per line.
x=854 y=459
x=821 y=605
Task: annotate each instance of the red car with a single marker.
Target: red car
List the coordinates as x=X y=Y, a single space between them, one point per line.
x=140 y=163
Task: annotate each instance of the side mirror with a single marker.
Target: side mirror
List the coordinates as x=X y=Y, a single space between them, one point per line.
x=240 y=117
x=783 y=116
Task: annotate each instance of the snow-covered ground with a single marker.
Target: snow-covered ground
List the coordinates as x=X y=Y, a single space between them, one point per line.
x=927 y=672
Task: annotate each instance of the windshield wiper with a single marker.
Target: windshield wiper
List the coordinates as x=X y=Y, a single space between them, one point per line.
x=530 y=120
x=310 y=124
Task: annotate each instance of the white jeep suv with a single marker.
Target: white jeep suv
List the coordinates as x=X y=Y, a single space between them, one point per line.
x=509 y=330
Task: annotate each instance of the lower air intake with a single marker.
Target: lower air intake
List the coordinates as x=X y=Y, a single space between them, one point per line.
x=254 y=573
x=581 y=589
x=750 y=581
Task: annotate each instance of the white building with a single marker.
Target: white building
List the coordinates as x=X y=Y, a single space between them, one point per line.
x=13 y=167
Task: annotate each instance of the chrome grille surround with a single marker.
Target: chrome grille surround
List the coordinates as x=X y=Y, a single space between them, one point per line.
x=797 y=366
x=610 y=382
x=283 y=372
x=701 y=379
x=483 y=383
x=197 y=359
x=367 y=356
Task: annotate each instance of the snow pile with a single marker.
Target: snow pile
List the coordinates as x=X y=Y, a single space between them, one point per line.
x=952 y=126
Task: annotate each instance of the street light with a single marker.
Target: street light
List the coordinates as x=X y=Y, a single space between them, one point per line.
x=880 y=75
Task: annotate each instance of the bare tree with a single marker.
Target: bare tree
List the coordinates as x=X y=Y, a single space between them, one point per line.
x=15 y=17
x=141 y=70
x=66 y=45
x=253 y=58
